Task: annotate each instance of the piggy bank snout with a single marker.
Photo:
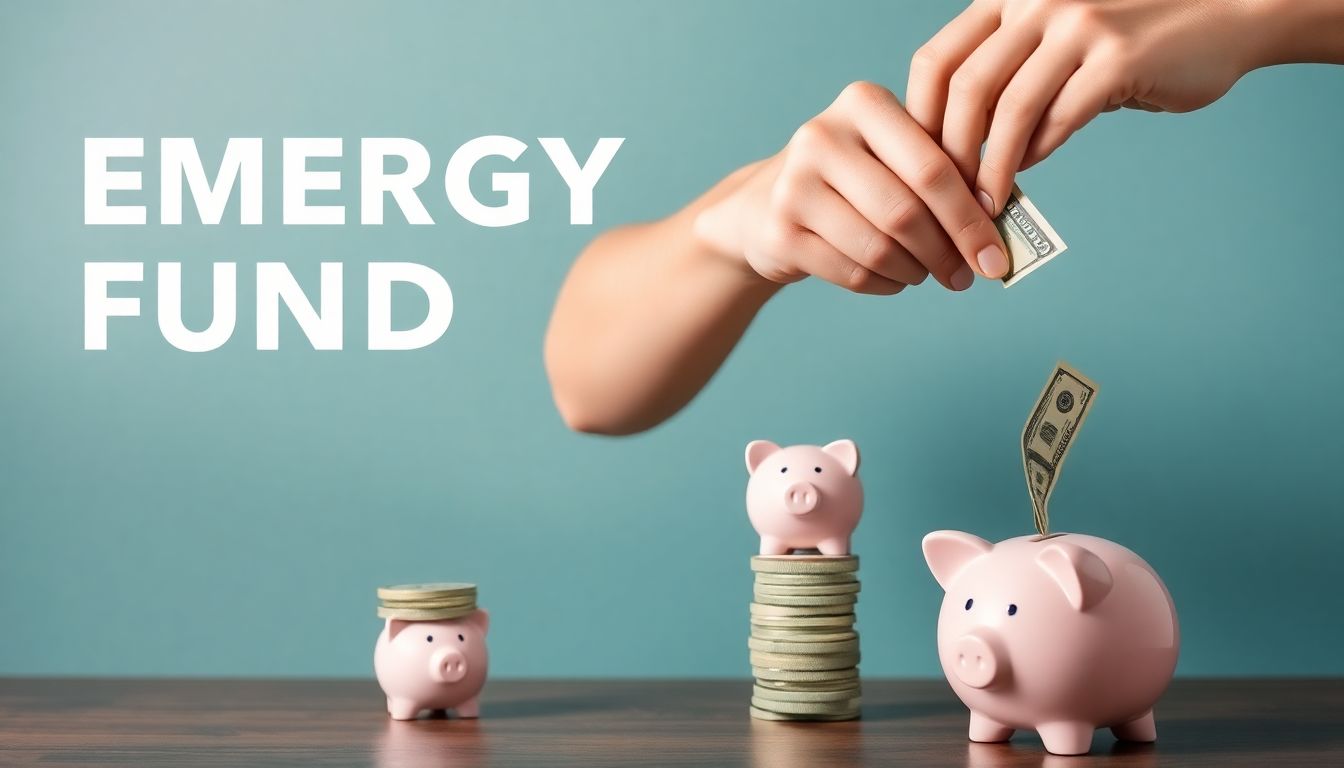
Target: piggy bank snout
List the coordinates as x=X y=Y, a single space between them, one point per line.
x=976 y=662
x=448 y=666
x=801 y=498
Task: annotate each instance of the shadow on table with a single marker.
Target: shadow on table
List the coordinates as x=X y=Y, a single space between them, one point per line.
x=1177 y=741
x=1246 y=735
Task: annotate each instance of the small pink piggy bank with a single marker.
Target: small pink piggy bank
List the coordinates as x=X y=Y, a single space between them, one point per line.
x=1061 y=634
x=432 y=665
x=804 y=496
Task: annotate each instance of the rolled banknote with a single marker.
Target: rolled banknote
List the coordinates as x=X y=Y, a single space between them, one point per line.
x=1030 y=239
x=1049 y=434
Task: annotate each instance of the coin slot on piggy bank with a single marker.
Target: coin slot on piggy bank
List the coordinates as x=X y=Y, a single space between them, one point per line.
x=431 y=654
x=1061 y=635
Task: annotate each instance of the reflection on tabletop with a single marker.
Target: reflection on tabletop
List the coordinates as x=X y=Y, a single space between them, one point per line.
x=437 y=742
x=779 y=744
x=1008 y=754
x=807 y=745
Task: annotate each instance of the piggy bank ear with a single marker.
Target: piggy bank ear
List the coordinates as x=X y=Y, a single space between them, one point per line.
x=845 y=452
x=1082 y=576
x=947 y=552
x=757 y=450
x=394 y=627
x=481 y=620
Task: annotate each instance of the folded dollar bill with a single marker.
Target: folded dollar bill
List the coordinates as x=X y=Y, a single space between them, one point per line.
x=1030 y=239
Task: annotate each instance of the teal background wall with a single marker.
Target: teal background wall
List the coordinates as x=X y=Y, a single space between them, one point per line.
x=230 y=513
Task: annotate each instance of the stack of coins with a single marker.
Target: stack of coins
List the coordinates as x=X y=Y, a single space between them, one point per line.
x=804 y=650
x=426 y=602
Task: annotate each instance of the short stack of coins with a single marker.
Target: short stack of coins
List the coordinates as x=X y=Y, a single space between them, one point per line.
x=804 y=648
x=426 y=602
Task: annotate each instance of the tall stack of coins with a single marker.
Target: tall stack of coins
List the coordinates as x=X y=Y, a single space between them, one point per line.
x=426 y=602
x=804 y=649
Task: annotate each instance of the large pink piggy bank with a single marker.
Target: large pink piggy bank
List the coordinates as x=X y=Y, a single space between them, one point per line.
x=432 y=665
x=1060 y=634
x=804 y=496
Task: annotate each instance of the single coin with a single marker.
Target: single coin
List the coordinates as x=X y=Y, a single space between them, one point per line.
x=805 y=563
x=455 y=602
x=796 y=646
x=425 y=591
x=784 y=611
x=424 y=614
x=814 y=686
x=848 y=693
x=800 y=590
x=805 y=600
x=848 y=706
x=762 y=674
x=845 y=620
x=804 y=662
x=805 y=579
x=761 y=714
x=802 y=635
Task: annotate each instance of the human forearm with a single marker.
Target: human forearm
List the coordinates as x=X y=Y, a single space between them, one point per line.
x=1298 y=31
x=645 y=318
x=860 y=197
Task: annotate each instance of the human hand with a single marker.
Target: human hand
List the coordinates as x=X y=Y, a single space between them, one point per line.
x=1021 y=76
x=861 y=197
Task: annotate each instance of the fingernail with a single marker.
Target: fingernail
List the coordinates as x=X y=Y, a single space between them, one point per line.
x=986 y=202
x=962 y=278
x=992 y=261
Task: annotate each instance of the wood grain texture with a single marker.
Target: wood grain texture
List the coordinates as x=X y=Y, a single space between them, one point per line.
x=622 y=723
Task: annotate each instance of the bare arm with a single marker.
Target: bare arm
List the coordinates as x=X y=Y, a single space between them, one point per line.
x=1300 y=31
x=861 y=197
x=645 y=318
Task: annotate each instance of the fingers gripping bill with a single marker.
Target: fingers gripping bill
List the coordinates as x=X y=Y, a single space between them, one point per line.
x=1030 y=239
x=1049 y=434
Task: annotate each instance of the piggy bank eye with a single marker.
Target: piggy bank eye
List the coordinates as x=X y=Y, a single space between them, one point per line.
x=461 y=639
x=1012 y=609
x=969 y=602
x=429 y=638
x=782 y=470
x=816 y=469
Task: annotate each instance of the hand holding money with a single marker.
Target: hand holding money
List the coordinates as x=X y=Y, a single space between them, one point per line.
x=1030 y=239
x=861 y=197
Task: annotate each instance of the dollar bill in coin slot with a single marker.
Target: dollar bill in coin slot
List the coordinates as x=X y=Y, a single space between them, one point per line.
x=1049 y=434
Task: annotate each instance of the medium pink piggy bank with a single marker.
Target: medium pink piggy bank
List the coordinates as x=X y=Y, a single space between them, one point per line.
x=1061 y=634
x=432 y=665
x=804 y=496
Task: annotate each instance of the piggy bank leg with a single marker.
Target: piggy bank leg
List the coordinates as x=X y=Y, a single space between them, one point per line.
x=987 y=730
x=402 y=709
x=1066 y=738
x=471 y=708
x=834 y=547
x=1140 y=729
x=773 y=546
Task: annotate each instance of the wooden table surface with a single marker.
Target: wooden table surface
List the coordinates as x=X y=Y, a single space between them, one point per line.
x=622 y=723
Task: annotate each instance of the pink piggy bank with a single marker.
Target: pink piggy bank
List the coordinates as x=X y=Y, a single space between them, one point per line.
x=432 y=665
x=804 y=496
x=1060 y=634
